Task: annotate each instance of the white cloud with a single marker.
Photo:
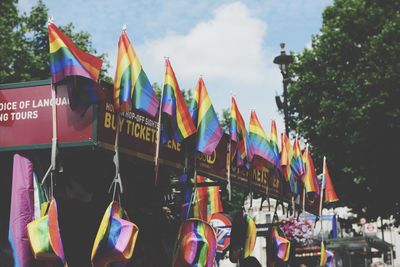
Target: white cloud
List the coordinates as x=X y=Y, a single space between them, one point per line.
x=229 y=51
x=227 y=47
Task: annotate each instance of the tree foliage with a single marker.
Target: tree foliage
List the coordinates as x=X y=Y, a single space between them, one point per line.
x=344 y=99
x=24 y=46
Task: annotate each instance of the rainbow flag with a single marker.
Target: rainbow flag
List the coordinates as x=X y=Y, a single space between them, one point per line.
x=68 y=60
x=251 y=234
x=209 y=132
x=309 y=178
x=273 y=142
x=297 y=167
x=259 y=142
x=174 y=106
x=196 y=246
x=22 y=210
x=282 y=245
x=297 y=162
x=80 y=69
x=286 y=156
x=131 y=85
x=207 y=201
x=324 y=258
x=330 y=258
x=327 y=185
x=238 y=132
x=45 y=239
x=115 y=239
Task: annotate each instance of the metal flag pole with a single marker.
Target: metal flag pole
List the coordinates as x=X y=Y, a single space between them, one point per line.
x=54 y=151
x=322 y=196
x=228 y=169
x=156 y=157
x=117 y=178
x=304 y=185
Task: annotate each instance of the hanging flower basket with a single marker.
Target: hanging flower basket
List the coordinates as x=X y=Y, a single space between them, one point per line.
x=298 y=231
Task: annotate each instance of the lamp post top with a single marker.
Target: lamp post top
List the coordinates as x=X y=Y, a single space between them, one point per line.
x=283 y=58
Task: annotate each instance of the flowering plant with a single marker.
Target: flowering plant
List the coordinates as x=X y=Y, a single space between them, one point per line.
x=298 y=231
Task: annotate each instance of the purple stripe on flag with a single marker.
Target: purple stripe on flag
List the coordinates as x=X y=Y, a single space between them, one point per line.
x=69 y=71
x=22 y=210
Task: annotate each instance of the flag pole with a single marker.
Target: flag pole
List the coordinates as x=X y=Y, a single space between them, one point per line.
x=322 y=196
x=54 y=151
x=54 y=140
x=156 y=161
x=229 y=188
x=304 y=185
x=117 y=179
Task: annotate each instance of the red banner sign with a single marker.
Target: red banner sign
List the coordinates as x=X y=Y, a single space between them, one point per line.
x=26 y=118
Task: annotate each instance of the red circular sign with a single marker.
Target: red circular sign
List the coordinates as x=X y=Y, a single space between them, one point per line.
x=222 y=226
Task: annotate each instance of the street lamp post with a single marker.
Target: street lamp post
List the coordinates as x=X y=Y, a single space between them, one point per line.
x=283 y=60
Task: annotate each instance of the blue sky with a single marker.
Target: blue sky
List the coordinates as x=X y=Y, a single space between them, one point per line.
x=231 y=43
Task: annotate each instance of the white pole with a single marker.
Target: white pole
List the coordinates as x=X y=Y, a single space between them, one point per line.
x=156 y=165
x=322 y=196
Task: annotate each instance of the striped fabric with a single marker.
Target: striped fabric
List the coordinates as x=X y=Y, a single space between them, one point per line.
x=68 y=60
x=238 y=132
x=282 y=245
x=115 y=239
x=286 y=156
x=327 y=185
x=243 y=237
x=197 y=245
x=330 y=258
x=174 y=106
x=274 y=144
x=132 y=88
x=208 y=200
x=296 y=162
x=251 y=234
x=259 y=142
x=296 y=166
x=44 y=237
x=22 y=210
x=323 y=258
x=209 y=132
x=309 y=178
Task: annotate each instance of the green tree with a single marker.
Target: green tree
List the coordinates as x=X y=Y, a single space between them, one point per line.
x=344 y=99
x=24 y=46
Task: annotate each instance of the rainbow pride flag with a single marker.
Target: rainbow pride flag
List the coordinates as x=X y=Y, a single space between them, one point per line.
x=323 y=258
x=259 y=142
x=286 y=156
x=282 y=245
x=251 y=235
x=330 y=258
x=45 y=238
x=309 y=178
x=297 y=167
x=238 y=132
x=22 y=210
x=273 y=142
x=209 y=132
x=115 y=239
x=296 y=162
x=196 y=245
x=207 y=201
x=327 y=185
x=68 y=60
x=132 y=88
x=174 y=106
